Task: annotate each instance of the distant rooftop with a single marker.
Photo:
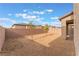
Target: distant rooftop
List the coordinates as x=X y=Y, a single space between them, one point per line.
x=24 y=24
x=21 y=24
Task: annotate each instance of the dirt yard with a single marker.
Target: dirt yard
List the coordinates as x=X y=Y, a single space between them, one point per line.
x=45 y=44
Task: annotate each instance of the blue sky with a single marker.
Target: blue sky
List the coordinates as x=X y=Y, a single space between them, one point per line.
x=39 y=13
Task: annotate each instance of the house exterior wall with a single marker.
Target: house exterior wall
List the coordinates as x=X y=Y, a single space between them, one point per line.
x=63 y=22
x=2 y=37
x=76 y=28
x=25 y=27
x=21 y=27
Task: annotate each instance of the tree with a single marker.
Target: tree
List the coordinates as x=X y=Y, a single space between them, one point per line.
x=31 y=25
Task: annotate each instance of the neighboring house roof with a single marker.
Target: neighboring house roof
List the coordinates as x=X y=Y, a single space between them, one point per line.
x=23 y=24
x=68 y=14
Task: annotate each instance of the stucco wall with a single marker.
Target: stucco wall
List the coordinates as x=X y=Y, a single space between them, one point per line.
x=63 y=22
x=17 y=33
x=76 y=28
x=2 y=37
x=21 y=27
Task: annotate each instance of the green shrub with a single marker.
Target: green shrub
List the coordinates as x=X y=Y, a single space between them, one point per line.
x=46 y=27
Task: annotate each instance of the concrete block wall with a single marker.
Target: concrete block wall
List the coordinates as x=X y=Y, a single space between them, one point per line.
x=2 y=37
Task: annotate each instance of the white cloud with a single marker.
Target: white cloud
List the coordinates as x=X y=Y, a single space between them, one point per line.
x=20 y=14
x=17 y=15
x=38 y=12
x=43 y=11
x=31 y=17
x=55 y=17
x=50 y=10
x=2 y=20
x=26 y=16
x=24 y=10
x=9 y=14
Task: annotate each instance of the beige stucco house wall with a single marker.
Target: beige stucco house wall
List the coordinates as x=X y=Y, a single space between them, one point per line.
x=75 y=18
x=64 y=20
x=76 y=28
x=25 y=26
x=19 y=26
x=2 y=37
